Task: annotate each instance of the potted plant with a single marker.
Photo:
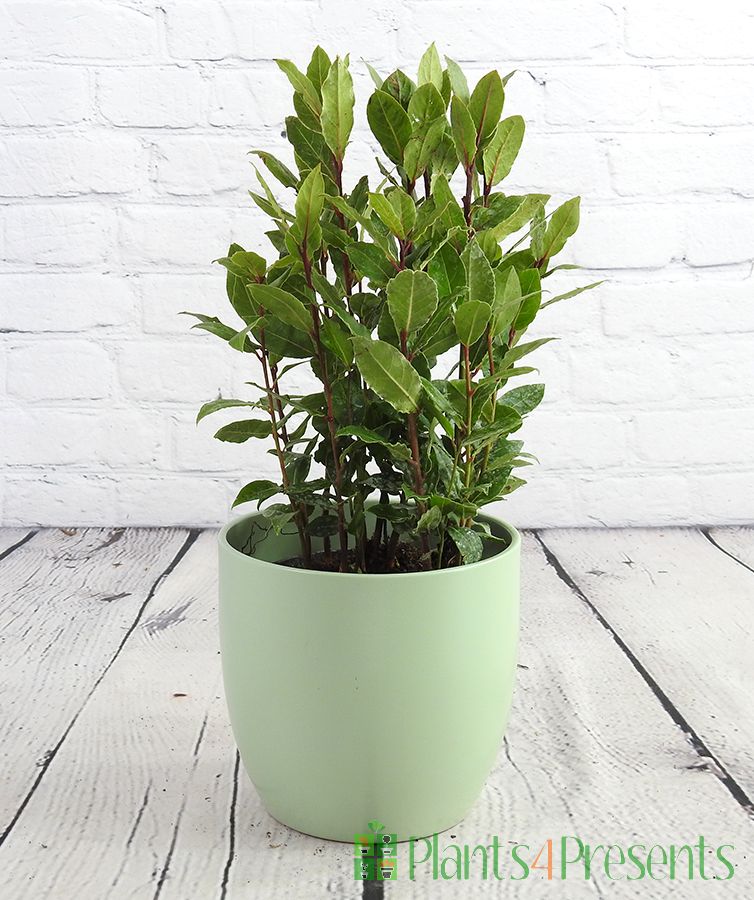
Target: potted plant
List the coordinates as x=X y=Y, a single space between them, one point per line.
x=369 y=615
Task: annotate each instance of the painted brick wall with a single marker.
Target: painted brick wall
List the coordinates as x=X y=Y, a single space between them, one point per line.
x=123 y=172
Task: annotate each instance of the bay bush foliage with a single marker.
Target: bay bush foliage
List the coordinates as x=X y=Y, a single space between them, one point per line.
x=369 y=285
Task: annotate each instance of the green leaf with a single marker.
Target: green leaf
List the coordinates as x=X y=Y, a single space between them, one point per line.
x=506 y=420
x=301 y=84
x=239 y=340
x=502 y=150
x=429 y=520
x=323 y=526
x=276 y=168
x=390 y=124
x=337 y=341
x=485 y=106
x=370 y=262
x=211 y=324
x=308 y=145
x=238 y=432
x=385 y=210
x=524 y=398
x=337 y=108
x=574 y=293
x=430 y=67
x=447 y=270
x=481 y=281
x=468 y=542
x=375 y=75
x=309 y=204
x=412 y=299
x=446 y=201
x=256 y=490
x=471 y=320
x=368 y=436
x=400 y=87
x=426 y=104
x=214 y=406
x=285 y=306
x=424 y=141
x=318 y=68
x=520 y=350
x=388 y=373
x=404 y=208
x=531 y=290
x=457 y=80
x=282 y=340
x=464 y=132
x=563 y=223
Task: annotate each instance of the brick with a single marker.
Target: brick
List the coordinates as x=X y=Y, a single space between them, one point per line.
x=707 y=306
x=562 y=164
x=195 y=166
x=196 y=450
x=150 y=97
x=62 y=499
x=718 y=234
x=704 y=95
x=597 y=95
x=722 y=369
x=164 y=501
x=696 y=436
x=234 y=97
x=613 y=372
x=49 y=96
x=191 y=371
x=34 y=437
x=182 y=235
x=723 y=498
x=545 y=501
x=64 y=166
x=518 y=31
x=56 y=369
x=562 y=439
x=680 y=30
x=73 y=30
x=634 y=499
x=639 y=235
x=136 y=438
x=367 y=30
x=64 y=234
x=64 y=302
x=208 y=30
x=164 y=297
x=714 y=163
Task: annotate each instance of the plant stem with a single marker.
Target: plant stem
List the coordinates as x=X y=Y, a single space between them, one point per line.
x=315 y=334
x=468 y=193
x=300 y=510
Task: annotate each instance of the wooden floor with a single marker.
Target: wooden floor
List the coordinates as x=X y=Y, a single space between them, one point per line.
x=633 y=721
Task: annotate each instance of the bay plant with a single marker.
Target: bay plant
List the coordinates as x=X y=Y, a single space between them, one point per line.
x=408 y=293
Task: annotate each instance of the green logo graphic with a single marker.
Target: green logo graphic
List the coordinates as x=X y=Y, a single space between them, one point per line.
x=375 y=854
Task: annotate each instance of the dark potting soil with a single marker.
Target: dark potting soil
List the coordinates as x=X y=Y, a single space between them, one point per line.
x=408 y=558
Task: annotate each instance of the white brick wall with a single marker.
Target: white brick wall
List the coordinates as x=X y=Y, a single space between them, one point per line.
x=123 y=172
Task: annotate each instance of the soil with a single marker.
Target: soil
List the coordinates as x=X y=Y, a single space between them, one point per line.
x=408 y=558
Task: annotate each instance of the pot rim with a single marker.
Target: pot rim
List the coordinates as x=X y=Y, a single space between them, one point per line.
x=512 y=548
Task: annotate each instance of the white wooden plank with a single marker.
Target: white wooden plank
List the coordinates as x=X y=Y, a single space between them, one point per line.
x=67 y=599
x=590 y=752
x=738 y=542
x=138 y=800
x=685 y=609
x=11 y=539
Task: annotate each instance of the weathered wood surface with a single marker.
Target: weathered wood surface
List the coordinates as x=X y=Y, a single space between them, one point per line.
x=685 y=611
x=632 y=722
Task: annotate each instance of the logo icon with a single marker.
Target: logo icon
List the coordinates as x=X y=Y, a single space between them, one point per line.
x=375 y=854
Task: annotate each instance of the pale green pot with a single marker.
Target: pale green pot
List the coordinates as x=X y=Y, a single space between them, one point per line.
x=361 y=697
